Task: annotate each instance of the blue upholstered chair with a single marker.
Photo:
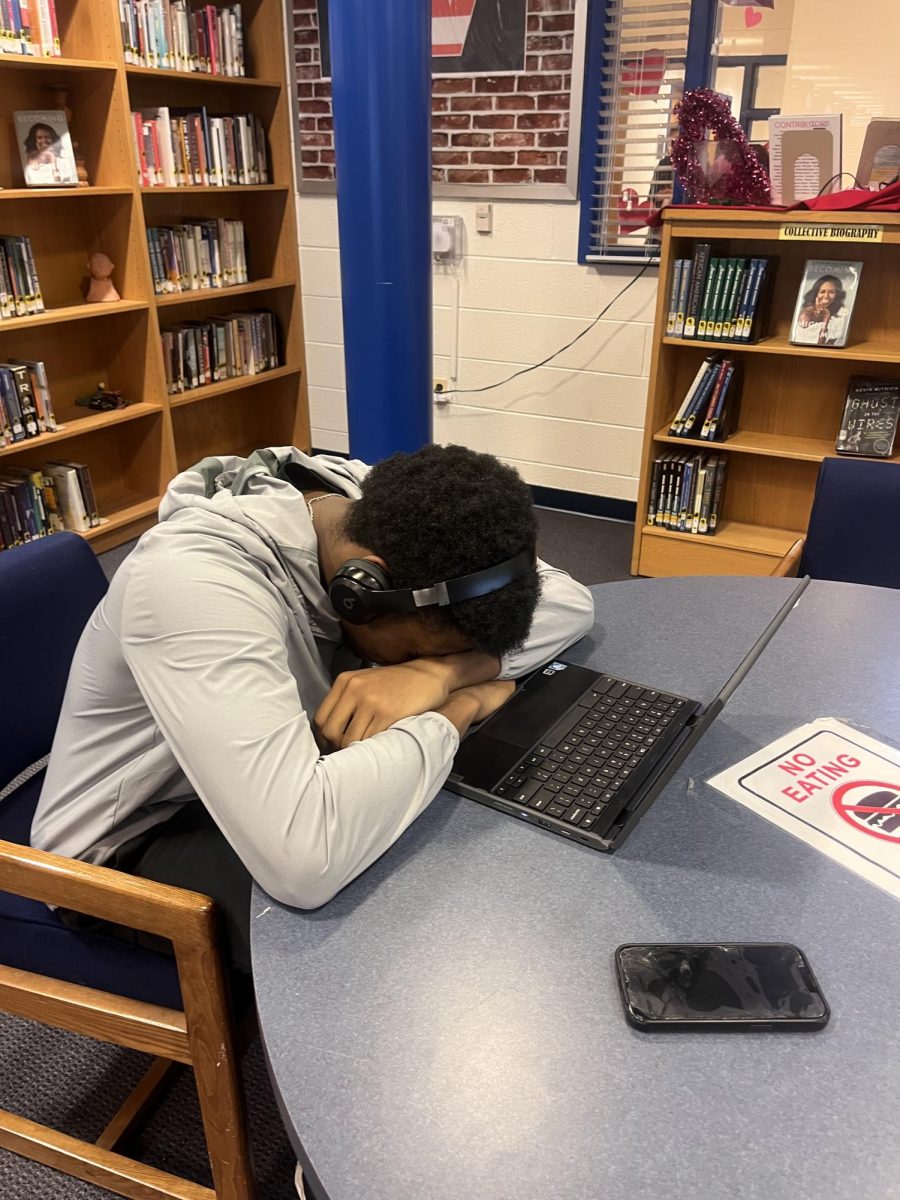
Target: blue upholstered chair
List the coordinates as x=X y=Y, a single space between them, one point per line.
x=96 y=984
x=854 y=526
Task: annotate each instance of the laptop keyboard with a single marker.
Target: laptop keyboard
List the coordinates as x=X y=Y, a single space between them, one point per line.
x=596 y=756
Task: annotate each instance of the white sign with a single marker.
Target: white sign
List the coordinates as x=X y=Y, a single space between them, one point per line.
x=836 y=789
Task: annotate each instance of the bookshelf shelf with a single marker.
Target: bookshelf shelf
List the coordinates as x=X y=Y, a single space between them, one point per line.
x=774 y=445
x=211 y=390
x=62 y=193
x=132 y=514
x=859 y=352
x=72 y=312
x=193 y=190
x=793 y=396
x=735 y=535
x=247 y=81
x=82 y=425
x=132 y=453
x=24 y=62
x=176 y=299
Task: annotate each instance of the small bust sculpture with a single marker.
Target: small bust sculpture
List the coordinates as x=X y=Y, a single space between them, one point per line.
x=101 y=289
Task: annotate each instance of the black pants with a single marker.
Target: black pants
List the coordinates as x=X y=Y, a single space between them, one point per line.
x=187 y=851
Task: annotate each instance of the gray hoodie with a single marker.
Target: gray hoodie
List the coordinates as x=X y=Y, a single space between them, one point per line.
x=198 y=675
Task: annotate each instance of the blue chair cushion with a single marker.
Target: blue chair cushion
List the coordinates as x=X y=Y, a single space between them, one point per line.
x=33 y=938
x=852 y=536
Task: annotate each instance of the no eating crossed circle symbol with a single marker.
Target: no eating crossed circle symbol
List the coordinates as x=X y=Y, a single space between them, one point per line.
x=876 y=813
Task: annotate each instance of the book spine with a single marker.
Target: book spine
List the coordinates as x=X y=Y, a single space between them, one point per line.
x=673 y=500
x=71 y=501
x=698 y=281
x=688 y=397
x=24 y=398
x=718 y=495
x=683 y=291
x=740 y=324
x=706 y=497
x=730 y=300
x=36 y=294
x=733 y=299
x=7 y=301
x=27 y=33
x=654 y=490
x=87 y=492
x=659 y=518
x=753 y=299
x=706 y=300
x=722 y=304
x=11 y=402
x=716 y=298
x=715 y=416
x=261 y=153
x=684 y=499
x=700 y=398
x=673 y=297
x=698 y=498
x=699 y=408
x=54 y=28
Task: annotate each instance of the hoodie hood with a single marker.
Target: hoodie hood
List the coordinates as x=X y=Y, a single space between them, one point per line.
x=253 y=503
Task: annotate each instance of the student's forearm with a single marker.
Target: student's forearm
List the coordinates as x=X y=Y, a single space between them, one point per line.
x=463 y=670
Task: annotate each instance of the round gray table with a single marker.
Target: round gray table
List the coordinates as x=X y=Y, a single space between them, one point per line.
x=450 y=1024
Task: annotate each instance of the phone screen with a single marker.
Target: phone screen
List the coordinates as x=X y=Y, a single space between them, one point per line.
x=771 y=984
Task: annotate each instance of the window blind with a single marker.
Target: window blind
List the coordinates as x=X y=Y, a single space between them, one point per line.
x=644 y=51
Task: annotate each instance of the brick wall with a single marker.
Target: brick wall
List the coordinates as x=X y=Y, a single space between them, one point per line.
x=485 y=129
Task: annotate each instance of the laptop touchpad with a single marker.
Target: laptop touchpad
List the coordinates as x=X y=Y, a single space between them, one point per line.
x=482 y=761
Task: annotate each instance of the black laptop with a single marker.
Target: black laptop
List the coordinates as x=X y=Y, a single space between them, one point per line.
x=584 y=754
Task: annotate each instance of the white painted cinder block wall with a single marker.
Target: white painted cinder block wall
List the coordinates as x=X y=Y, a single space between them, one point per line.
x=577 y=424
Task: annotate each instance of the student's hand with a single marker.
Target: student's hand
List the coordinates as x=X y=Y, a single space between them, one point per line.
x=363 y=703
x=476 y=703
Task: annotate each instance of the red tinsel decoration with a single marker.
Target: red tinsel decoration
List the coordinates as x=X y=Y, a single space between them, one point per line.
x=744 y=181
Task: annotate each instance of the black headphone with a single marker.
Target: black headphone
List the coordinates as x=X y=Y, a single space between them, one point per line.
x=361 y=590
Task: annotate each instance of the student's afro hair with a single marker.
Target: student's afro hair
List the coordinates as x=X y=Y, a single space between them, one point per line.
x=446 y=511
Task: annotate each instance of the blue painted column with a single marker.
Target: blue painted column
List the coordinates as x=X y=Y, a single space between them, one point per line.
x=381 y=87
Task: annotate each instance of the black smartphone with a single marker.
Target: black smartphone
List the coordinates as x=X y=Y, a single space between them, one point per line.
x=756 y=985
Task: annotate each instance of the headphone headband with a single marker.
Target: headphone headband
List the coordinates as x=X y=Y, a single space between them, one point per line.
x=361 y=590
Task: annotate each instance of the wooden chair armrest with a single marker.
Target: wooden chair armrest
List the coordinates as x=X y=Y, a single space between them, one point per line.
x=110 y=895
x=790 y=564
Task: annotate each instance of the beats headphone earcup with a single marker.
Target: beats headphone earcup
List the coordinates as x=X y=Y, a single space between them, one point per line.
x=353 y=588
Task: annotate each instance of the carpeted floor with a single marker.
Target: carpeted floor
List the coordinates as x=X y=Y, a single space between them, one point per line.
x=76 y=1084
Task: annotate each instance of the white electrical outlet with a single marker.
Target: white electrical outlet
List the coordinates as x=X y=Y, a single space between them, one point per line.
x=446 y=239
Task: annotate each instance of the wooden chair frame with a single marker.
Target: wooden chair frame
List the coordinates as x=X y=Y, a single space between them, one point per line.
x=200 y=1036
x=790 y=564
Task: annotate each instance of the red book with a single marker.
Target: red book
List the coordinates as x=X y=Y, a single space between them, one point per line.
x=51 y=4
x=212 y=39
x=138 y=123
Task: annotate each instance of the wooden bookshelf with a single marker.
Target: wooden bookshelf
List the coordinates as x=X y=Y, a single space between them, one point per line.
x=134 y=452
x=792 y=396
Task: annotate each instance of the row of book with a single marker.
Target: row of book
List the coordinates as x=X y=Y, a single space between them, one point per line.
x=201 y=352
x=26 y=410
x=37 y=501
x=721 y=299
x=173 y=36
x=20 y=289
x=29 y=27
x=178 y=147
x=195 y=255
x=709 y=410
x=686 y=491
